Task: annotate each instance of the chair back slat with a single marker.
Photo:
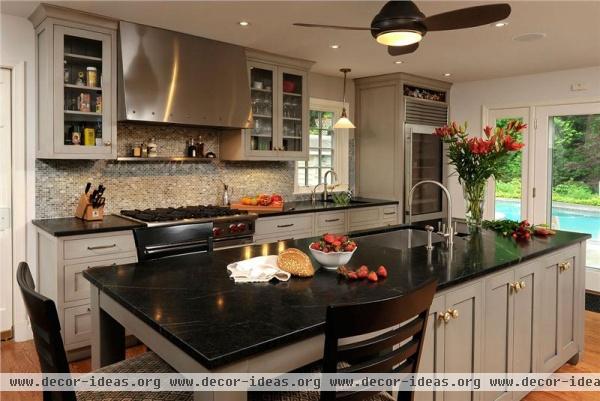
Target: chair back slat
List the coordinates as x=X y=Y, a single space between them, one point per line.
x=384 y=336
x=381 y=342
x=46 y=332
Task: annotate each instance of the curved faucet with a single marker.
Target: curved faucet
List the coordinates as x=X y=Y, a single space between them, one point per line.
x=449 y=233
x=325 y=191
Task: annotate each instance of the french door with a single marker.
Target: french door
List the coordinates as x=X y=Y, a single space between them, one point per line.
x=511 y=193
x=567 y=171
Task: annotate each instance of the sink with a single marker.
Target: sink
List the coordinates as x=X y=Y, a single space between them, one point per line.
x=355 y=202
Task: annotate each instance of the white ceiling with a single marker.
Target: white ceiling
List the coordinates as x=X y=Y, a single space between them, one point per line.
x=572 y=29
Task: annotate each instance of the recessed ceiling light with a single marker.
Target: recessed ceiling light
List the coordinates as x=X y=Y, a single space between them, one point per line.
x=244 y=23
x=447 y=74
x=398 y=62
x=530 y=37
x=500 y=24
x=334 y=46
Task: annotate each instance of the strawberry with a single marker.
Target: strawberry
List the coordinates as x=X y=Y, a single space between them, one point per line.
x=372 y=277
x=336 y=244
x=329 y=238
x=350 y=247
x=362 y=272
x=382 y=272
x=352 y=276
x=316 y=245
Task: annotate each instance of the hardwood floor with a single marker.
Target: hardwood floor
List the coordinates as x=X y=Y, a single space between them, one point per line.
x=21 y=357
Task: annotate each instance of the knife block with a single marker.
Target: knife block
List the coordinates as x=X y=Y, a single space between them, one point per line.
x=86 y=211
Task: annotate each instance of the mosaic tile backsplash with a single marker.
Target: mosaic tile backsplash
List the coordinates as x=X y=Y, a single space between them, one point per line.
x=131 y=185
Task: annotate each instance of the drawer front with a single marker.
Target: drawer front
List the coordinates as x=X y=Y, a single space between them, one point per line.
x=330 y=222
x=76 y=286
x=390 y=214
x=275 y=225
x=78 y=324
x=364 y=218
x=95 y=246
x=265 y=239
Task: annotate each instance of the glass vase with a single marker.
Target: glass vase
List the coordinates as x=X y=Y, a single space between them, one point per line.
x=474 y=194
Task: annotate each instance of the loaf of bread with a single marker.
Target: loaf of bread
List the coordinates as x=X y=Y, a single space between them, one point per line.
x=295 y=262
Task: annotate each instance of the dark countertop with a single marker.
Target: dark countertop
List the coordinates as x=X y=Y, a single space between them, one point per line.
x=192 y=301
x=319 y=206
x=74 y=226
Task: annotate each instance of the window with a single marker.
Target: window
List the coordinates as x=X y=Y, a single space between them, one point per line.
x=328 y=149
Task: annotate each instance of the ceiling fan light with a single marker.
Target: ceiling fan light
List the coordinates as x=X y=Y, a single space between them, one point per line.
x=399 y=38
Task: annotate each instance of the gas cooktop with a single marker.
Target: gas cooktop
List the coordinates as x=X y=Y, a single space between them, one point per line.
x=186 y=214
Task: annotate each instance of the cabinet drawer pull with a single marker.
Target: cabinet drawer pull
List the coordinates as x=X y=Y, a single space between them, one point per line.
x=89 y=309
x=389 y=213
x=564 y=266
x=331 y=220
x=93 y=248
x=284 y=225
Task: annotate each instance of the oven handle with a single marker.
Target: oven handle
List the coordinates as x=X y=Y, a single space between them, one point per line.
x=154 y=249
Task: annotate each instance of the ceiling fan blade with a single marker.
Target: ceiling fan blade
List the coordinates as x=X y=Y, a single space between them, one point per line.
x=351 y=28
x=400 y=50
x=467 y=17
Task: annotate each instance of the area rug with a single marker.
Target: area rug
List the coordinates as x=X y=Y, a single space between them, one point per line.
x=592 y=302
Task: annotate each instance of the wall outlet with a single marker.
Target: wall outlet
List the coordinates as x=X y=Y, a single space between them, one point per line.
x=578 y=86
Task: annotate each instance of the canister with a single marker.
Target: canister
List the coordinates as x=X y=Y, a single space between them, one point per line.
x=89 y=137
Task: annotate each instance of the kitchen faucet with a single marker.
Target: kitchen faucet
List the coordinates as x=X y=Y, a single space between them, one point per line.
x=447 y=233
x=325 y=192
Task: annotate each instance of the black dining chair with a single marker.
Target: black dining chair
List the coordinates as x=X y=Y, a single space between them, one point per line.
x=53 y=359
x=402 y=321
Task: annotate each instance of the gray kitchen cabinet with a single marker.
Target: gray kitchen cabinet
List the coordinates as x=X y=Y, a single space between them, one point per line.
x=280 y=102
x=372 y=217
x=61 y=262
x=453 y=338
x=558 y=314
x=77 y=115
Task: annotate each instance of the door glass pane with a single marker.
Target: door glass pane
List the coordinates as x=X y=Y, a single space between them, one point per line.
x=426 y=165
x=292 y=112
x=575 y=198
x=261 y=96
x=82 y=91
x=508 y=180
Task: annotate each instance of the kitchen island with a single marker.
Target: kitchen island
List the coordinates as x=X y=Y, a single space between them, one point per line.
x=501 y=306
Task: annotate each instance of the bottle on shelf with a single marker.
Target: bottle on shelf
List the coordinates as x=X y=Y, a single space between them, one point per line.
x=98 y=134
x=200 y=147
x=152 y=148
x=191 y=150
x=76 y=135
x=144 y=150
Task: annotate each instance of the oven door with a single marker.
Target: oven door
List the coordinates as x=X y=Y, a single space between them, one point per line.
x=161 y=242
x=424 y=160
x=225 y=243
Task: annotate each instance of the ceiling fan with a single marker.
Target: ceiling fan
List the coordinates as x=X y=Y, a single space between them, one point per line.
x=401 y=25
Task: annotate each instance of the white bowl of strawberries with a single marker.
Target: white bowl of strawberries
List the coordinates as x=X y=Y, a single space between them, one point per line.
x=333 y=250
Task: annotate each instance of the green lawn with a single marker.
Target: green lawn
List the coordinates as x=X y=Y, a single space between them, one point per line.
x=570 y=192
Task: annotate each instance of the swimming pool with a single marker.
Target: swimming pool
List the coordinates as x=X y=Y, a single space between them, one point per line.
x=582 y=221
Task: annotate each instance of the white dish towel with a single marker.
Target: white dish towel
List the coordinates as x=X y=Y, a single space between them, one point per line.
x=257 y=270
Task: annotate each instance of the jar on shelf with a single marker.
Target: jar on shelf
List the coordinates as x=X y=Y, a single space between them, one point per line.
x=89 y=136
x=92 y=76
x=67 y=73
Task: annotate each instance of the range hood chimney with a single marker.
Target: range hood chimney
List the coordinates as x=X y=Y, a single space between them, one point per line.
x=174 y=78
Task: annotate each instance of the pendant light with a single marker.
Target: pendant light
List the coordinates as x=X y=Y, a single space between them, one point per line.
x=344 y=121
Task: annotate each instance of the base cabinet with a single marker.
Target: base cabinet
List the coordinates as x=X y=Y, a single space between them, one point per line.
x=524 y=319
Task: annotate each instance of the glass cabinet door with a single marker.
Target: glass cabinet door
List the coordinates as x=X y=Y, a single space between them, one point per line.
x=262 y=136
x=293 y=110
x=82 y=92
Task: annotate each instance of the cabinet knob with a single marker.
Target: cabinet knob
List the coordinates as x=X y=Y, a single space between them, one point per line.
x=453 y=313
x=516 y=286
x=107 y=143
x=522 y=285
x=564 y=266
x=444 y=316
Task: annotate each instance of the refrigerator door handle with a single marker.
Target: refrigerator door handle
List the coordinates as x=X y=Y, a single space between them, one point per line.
x=408 y=150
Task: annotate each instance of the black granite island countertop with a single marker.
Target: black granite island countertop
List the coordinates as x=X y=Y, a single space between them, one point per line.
x=192 y=301
x=63 y=227
x=297 y=207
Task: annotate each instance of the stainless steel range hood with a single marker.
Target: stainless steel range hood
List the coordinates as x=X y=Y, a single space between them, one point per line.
x=171 y=77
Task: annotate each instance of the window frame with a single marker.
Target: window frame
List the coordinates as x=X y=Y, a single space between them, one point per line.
x=340 y=146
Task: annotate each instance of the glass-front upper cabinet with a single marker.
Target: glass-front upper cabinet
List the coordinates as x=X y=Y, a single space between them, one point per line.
x=76 y=57
x=294 y=106
x=262 y=81
x=83 y=123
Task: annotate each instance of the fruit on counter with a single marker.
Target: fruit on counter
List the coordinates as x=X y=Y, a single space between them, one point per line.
x=363 y=272
x=334 y=243
x=372 y=277
x=519 y=231
x=543 y=231
x=262 y=200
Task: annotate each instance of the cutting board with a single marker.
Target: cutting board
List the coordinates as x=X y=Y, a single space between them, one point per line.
x=258 y=208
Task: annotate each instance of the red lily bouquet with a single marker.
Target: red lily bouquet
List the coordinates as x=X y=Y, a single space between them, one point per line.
x=477 y=159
